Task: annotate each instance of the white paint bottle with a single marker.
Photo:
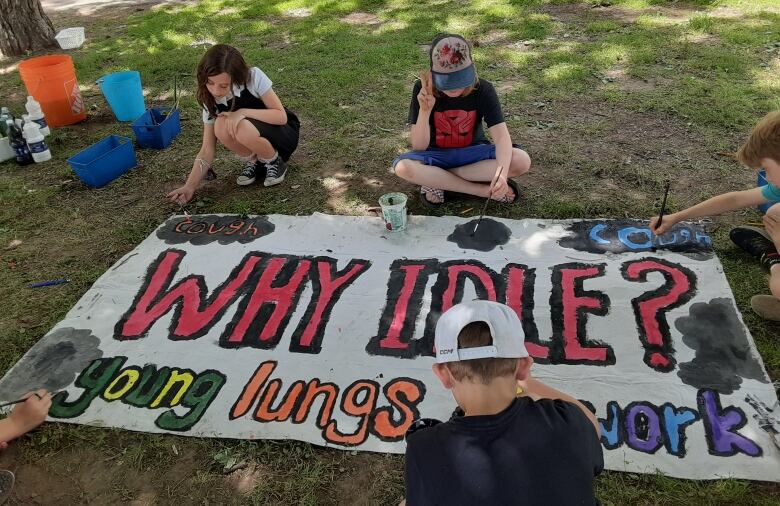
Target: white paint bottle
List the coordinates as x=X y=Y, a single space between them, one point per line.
x=36 y=115
x=35 y=140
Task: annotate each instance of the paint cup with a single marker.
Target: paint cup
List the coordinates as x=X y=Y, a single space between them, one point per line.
x=393 y=211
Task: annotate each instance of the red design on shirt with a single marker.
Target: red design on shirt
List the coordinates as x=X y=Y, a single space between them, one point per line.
x=454 y=128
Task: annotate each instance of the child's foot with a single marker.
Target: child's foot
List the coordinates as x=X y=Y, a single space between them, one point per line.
x=511 y=196
x=276 y=169
x=249 y=174
x=756 y=243
x=766 y=306
x=432 y=196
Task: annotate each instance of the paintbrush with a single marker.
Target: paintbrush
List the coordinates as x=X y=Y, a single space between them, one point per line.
x=484 y=206
x=17 y=401
x=667 y=186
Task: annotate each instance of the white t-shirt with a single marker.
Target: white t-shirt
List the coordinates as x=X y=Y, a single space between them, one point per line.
x=258 y=85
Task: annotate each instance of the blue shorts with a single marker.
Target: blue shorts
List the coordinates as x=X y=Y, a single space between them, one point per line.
x=452 y=157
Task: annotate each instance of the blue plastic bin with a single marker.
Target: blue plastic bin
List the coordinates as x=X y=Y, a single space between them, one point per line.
x=104 y=161
x=763 y=182
x=124 y=94
x=157 y=128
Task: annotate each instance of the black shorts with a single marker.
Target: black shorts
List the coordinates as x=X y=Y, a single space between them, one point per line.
x=284 y=138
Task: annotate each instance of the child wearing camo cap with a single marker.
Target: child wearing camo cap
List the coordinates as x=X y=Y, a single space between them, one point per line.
x=517 y=440
x=450 y=150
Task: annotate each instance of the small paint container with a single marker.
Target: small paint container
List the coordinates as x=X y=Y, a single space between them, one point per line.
x=393 y=211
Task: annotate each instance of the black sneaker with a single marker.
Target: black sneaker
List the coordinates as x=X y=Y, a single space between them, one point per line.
x=756 y=243
x=248 y=175
x=276 y=169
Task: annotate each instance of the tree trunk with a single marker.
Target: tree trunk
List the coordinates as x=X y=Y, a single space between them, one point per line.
x=23 y=27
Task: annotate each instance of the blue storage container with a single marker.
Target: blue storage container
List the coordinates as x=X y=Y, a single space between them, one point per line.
x=104 y=161
x=156 y=128
x=763 y=182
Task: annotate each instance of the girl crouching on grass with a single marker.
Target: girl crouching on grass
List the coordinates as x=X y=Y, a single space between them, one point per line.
x=241 y=110
x=450 y=151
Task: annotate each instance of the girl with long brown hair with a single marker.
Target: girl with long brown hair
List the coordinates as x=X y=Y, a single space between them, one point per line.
x=242 y=111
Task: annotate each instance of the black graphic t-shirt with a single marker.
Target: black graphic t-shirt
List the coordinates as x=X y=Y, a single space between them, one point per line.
x=457 y=122
x=533 y=453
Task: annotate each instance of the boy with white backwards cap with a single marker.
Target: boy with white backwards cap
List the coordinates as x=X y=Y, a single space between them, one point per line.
x=519 y=441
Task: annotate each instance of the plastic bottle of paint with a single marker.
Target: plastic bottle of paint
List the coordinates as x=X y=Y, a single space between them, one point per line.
x=4 y=115
x=36 y=115
x=37 y=144
x=23 y=155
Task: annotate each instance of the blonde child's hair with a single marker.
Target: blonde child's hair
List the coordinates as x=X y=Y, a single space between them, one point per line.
x=764 y=141
x=484 y=370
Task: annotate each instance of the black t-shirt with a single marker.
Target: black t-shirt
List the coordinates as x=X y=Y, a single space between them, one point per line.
x=542 y=452
x=457 y=122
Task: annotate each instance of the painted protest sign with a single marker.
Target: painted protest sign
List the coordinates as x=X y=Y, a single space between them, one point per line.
x=321 y=328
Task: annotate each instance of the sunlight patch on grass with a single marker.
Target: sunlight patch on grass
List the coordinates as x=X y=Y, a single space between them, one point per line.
x=609 y=54
x=518 y=59
x=702 y=23
x=602 y=26
x=655 y=20
x=768 y=81
x=533 y=26
x=463 y=26
x=391 y=26
x=563 y=72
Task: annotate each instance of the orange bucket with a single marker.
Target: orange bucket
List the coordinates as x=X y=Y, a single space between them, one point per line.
x=51 y=80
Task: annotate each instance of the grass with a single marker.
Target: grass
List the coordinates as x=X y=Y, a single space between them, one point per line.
x=608 y=100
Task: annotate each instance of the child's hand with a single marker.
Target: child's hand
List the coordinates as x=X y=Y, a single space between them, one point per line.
x=232 y=120
x=425 y=97
x=666 y=224
x=772 y=223
x=498 y=186
x=181 y=195
x=32 y=412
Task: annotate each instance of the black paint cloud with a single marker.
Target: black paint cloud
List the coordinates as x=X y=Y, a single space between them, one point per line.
x=490 y=234
x=626 y=236
x=52 y=364
x=723 y=354
x=207 y=228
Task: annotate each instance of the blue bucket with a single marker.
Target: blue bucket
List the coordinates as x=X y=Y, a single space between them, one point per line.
x=124 y=94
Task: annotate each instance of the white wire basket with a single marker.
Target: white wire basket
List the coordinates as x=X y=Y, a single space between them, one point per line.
x=70 y=38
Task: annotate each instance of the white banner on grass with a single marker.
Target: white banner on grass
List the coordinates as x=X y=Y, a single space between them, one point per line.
x=320 y=329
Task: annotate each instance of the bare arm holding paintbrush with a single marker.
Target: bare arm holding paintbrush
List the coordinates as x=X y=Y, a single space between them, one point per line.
x=200 y=167
x=25 y=417
x=503 y=141
x=716 y=205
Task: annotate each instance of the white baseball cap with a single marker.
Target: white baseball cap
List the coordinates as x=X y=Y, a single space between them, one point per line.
x=505 y=328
